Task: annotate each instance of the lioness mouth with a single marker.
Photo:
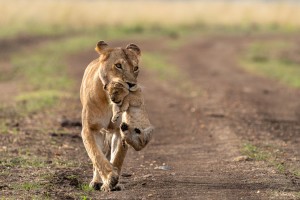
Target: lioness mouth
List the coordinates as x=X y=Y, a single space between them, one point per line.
x=117 y=102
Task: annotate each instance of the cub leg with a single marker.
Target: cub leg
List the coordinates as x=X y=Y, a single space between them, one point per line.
x=116 y=113
x=124 y=107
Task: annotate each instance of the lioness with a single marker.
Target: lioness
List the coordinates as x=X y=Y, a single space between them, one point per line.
x=106 y=150
x=136 y=128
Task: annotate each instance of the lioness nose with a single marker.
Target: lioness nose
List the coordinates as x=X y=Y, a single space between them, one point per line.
x=130 y=84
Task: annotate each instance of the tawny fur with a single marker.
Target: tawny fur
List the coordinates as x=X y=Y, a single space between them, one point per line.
x=136 y=128
x=105 y=150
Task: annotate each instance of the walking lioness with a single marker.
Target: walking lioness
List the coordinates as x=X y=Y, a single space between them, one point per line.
x=106 y=150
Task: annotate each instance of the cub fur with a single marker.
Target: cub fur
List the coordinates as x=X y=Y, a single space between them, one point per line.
x=136 y=129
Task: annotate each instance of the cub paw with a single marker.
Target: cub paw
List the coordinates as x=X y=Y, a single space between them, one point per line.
x=114 y=119
x=95 y=185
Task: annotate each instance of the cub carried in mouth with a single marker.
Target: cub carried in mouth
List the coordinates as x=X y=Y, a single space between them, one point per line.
x=136 y=129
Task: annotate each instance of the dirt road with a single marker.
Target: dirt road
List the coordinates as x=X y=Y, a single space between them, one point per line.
x=202 y=121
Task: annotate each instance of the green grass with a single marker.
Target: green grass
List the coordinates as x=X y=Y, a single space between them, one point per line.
x=30 y=161
x=51 y=30
x=4 y=128
x=85 y=198
x=254 y=152
x=158 y=64
x=86 y=188
x=279 y=166
x=297 y=173
x=30 y=102
x=271 y=59
x=27 y=186
x=273 y=156
x=23 y=161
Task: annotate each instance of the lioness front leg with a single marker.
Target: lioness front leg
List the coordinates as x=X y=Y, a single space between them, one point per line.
x=96 y=181
x=107 y=172
x=118 y=151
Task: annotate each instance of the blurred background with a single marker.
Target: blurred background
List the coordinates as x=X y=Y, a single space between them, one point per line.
x=208 y=59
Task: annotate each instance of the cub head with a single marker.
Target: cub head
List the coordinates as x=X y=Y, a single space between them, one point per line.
x=117 y=92
x=120 y=63
x=135 y=137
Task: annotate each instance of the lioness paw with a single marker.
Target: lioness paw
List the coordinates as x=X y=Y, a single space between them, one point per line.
x=95 y=185
x=105 y=188
x=111 y=182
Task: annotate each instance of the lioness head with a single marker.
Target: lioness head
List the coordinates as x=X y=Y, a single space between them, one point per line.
x=116 y=92
x=121 y=63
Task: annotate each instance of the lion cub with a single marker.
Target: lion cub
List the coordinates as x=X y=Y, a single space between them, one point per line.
x=136 y=129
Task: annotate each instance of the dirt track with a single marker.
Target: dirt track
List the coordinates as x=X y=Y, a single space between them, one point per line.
x=200 y=130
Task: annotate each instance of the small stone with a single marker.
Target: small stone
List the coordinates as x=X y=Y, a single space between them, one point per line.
x=144 y=183
x=164 y=167
x=241 y=158
x=173 y=173
x=193 y=109
x=147 y=176
x=150 y=195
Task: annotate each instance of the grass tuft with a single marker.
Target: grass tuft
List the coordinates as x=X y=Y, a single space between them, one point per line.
x=254 y=152
x=86 y=188
x=85 y=198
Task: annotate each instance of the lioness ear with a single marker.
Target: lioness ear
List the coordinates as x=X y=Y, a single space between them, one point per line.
x=101 y=46
x=134 y=48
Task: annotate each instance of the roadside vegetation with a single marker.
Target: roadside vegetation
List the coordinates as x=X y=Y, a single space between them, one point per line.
x=276 y=59
x=274 y=157
x=85 y=16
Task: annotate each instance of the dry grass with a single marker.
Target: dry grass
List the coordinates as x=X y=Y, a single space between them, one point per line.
x=83 y=13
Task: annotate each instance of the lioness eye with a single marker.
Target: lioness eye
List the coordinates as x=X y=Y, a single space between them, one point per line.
x=136 y=68
x=118 y=66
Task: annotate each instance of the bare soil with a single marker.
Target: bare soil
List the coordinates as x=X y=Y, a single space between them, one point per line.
x=202 y=121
